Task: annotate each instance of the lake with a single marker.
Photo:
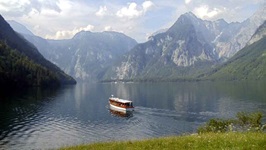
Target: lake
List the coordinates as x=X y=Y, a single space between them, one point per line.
x=51 y=118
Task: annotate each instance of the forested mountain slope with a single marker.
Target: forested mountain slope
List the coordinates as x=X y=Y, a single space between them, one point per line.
x=23 y=65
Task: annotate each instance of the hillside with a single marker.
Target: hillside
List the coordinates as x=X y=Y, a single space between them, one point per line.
x=20 y=59
x=248 y=63
x=17 y=70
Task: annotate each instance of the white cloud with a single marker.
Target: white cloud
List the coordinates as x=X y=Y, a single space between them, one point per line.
x=187 y=1
x=133 y=10
x=102 y=11
x=69 y=33
x=204 y=12
x=19 y=8
x=108 y=28
x=48 y=12
x=65 y=5
x=13 y=4
x=14 y=7
x=147 y=5
x=48 y=17
x=129 y=12
x=88 y=28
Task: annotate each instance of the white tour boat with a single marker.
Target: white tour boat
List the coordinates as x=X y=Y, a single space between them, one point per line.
x=121 y=104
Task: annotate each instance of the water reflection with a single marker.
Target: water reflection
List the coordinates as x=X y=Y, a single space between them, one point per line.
x=19 y=114
x=126 y=114
x=52 y=118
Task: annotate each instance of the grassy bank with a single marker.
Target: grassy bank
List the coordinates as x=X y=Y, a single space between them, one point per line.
x=231 y=140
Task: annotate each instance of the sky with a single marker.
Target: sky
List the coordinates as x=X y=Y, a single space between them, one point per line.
x=62 y=19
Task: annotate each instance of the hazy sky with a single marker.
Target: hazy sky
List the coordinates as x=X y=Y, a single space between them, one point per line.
x=60 y=19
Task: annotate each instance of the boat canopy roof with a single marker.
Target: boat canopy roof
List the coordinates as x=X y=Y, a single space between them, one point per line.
x=120 y=100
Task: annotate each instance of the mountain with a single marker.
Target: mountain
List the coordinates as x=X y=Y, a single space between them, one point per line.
x=229 y=38
x=248 y=63
x=20 y=57
x=181 y=51
x=19 y=27
x=190 y=47
x=236 y=35
x=87 y=54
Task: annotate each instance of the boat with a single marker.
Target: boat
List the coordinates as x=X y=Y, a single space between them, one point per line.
x=120 y=104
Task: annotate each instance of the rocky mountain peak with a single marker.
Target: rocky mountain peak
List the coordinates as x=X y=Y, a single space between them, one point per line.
x=186 y=19
x=189 y=15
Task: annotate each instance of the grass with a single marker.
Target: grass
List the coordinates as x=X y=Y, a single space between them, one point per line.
x=230 y=140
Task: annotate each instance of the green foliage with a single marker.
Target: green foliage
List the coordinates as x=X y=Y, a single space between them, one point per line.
x=17 y=70
x=244 y=122
x=216 y=125
x=250 y=121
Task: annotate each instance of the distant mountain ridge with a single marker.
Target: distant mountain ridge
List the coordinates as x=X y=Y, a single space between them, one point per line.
x=87 y=54
x=24 y=54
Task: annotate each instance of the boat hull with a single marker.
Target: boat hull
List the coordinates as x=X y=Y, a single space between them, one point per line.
x=120 y=108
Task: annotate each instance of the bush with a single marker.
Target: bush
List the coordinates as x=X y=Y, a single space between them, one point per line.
x=244 y=122
x=216 y=125
x=250 y=121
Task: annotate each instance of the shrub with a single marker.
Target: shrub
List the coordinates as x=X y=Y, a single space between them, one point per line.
x=244 y=122
x=250 y=121
x=216 y=125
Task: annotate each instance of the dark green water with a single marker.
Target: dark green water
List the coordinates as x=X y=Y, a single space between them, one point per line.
x=52 y=118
